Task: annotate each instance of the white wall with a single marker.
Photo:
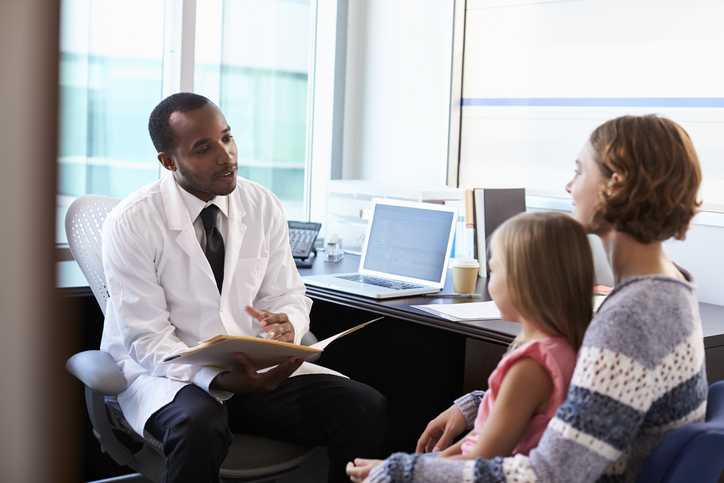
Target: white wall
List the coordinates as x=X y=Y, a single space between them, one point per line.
x=702 y=253
x=398 y=87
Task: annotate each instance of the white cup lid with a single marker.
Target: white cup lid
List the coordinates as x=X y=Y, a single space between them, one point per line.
x=464 y=262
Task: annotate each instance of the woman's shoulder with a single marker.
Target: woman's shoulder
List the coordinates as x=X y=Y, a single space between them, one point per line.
x=647 y=297
x=645 y=318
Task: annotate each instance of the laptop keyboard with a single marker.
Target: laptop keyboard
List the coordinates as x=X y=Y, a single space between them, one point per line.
x=380 y=282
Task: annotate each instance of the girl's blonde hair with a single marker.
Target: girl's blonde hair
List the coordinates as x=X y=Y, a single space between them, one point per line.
x=548 y=260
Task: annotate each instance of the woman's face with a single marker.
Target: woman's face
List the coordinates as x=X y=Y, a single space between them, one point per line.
x=585 y=186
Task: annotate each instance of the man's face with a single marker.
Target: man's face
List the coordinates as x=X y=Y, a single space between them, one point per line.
x=204 y=163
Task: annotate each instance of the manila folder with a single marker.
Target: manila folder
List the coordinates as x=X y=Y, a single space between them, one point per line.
x=219 y=350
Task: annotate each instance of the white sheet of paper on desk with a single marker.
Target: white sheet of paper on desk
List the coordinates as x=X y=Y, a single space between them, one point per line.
x=458 y=312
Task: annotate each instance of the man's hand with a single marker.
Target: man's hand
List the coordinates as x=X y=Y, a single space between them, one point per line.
x=360 y=469
x=442 y=430
x=277 y=326
x=244 y=379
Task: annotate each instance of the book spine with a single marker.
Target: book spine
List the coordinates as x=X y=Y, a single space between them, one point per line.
x=479 y=207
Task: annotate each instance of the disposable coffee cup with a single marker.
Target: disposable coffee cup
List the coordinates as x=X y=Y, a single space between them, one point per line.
x=465 y=274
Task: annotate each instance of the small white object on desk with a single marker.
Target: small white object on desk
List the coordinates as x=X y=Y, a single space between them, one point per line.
x=334 y=251
x=458 y=312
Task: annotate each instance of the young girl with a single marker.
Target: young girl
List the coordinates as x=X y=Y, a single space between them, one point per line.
x=542 y=277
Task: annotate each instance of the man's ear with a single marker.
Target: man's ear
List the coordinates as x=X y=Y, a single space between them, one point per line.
x=167 y=161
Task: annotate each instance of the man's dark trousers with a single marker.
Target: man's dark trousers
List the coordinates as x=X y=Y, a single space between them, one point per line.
x=348 y=417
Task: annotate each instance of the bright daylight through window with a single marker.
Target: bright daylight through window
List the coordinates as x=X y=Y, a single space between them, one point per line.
x=251 y=59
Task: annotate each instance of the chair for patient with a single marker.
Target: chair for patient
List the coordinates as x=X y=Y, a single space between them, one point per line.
x=694 y=452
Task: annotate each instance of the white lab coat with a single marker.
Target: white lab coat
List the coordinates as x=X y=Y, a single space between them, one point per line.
x=163 y=296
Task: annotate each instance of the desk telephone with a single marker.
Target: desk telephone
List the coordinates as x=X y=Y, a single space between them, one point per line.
x=301 y=238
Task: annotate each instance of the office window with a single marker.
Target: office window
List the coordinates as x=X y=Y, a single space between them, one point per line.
x=539 y=76
x=251 y=59
x=110 y=80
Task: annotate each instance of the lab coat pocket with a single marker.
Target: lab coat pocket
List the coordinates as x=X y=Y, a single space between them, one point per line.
x=248 y=278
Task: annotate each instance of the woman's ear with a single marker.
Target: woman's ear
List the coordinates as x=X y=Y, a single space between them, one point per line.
x=167 y=161
x=611 y=184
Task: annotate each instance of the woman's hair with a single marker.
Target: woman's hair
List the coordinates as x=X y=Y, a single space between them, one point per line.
x=549 y=264
x=659 y=173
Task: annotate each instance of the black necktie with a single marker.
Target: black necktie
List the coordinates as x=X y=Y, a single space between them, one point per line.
x=214 y=243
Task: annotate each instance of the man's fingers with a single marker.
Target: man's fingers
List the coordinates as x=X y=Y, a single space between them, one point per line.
x=286 y=368
x=283 y=332
x=256 y=313
x=244 y=361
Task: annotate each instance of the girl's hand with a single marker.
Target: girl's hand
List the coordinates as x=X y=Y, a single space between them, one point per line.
x=360 y=469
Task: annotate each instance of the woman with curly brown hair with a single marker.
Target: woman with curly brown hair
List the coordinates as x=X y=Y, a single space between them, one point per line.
x=640 y=371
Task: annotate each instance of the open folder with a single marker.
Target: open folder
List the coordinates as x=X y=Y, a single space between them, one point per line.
x=218 y=351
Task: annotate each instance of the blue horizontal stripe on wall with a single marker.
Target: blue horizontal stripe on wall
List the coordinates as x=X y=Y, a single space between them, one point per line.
x=596 y=101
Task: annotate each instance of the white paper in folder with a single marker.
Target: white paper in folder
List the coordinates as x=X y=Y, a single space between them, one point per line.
x=458 y=312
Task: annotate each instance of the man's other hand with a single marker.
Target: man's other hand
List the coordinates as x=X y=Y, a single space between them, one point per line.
x=244 y=378
x=277 y=326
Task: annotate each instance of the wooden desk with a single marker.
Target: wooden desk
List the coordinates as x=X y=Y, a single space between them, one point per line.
x=493 y=331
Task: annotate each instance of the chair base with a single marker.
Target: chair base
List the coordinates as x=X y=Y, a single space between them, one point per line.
x=255 y=458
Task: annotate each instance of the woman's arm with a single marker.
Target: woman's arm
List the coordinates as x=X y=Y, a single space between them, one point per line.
x=524 y=392
x=441 y=431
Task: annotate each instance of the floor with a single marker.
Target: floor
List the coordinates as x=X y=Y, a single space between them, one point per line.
x=312 y=471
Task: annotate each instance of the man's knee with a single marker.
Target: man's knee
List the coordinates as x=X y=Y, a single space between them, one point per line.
x=193 y=418
x=367 y=405
x=206 y=423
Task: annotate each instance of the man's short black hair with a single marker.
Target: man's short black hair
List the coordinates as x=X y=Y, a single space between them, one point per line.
x=161 y=133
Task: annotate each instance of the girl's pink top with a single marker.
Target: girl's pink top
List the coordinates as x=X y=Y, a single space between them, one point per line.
x=557 y=356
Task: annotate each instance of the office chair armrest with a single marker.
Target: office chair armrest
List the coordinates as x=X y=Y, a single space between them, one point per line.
x=308 y=340
x=98 y=371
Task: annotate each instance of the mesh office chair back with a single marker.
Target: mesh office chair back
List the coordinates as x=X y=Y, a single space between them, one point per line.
x=83 y=225
x=250 y=459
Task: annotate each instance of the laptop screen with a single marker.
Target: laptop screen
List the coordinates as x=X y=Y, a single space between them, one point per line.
x=408 y=241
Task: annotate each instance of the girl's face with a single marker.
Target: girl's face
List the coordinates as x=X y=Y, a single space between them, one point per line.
x=585 y=186
x=499 y=291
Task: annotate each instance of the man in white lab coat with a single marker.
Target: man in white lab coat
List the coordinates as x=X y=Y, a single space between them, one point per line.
x=165 y=297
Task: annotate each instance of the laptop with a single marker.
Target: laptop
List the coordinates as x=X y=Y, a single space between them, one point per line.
x=406 y=252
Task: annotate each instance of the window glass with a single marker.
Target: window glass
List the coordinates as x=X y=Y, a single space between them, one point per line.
x=110 y=80
x=252 y=60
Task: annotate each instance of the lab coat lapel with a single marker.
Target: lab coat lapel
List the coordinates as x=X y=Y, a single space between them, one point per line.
x=234 y=237
x=178 y=220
